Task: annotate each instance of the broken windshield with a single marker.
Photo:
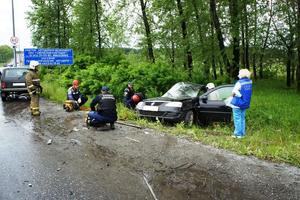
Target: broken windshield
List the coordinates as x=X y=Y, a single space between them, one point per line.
x=183 y=90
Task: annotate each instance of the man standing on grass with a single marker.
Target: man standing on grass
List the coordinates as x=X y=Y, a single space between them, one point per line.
x=241 y=93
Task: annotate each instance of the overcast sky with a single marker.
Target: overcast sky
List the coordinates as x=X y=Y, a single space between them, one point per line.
x=21 y=30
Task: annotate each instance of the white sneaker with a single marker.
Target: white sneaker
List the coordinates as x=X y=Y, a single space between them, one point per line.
x=237 y=136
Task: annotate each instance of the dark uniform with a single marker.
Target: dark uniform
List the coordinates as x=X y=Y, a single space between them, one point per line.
x=128 y=93
x=33 y=85
x=103 y=110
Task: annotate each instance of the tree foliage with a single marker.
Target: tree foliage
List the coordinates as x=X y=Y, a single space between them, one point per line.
x=6 y=53
x=213 y=39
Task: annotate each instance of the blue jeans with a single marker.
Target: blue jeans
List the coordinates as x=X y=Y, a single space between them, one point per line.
x=98 y=118
x=239 y=121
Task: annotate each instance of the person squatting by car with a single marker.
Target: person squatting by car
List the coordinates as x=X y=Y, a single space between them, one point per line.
x=103 y=109
x=131 y=99
x=34 y=88
x=240 y=102
x=74 y=98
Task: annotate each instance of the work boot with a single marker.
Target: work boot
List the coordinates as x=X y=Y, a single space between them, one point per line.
x=36 y=113
x=112 y=126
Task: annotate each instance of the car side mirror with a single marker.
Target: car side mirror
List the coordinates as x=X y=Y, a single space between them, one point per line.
x=204 y=98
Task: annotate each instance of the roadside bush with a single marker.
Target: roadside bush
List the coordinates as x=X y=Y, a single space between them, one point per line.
x=150 y=79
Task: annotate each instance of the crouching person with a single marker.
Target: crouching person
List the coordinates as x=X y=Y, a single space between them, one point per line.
x=74 y=98
x=103 y=109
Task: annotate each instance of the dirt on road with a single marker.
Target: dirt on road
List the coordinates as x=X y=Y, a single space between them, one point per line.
x=146 y=164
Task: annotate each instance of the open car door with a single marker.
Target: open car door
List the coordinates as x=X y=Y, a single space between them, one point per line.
x=212 y=107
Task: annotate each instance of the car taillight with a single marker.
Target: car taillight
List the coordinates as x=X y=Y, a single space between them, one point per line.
x=3 y=85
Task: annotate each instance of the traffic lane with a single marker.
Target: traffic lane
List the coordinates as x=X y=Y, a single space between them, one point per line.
x=31 y=169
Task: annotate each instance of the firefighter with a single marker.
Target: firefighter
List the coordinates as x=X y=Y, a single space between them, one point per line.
x=34 y=88
x=103 y=109
x=74 y=98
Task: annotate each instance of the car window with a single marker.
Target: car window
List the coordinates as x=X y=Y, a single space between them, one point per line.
x=220 y=94
x=15 y=73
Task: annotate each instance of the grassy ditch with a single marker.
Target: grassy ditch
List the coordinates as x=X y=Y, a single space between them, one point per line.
x=273 y=129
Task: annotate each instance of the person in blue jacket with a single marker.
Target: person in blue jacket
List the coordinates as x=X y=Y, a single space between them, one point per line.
x=103 y=109
x=240 y=102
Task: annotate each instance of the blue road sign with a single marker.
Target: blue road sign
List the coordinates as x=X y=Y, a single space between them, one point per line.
x=49 y=56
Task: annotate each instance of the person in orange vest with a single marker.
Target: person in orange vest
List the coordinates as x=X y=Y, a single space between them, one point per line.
x=75 y=97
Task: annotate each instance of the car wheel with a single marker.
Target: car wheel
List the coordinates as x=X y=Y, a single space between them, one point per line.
x=189 y=118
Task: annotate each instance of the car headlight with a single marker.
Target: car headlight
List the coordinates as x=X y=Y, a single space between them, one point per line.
x=174 y=104
x=140 y=105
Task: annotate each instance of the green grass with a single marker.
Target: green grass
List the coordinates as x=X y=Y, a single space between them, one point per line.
x=272 y=122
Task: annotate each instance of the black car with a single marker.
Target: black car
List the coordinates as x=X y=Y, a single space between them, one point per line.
x=13 y=83
x=188 y=103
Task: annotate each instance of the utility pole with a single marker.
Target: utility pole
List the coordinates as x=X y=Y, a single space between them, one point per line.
x=14 y=33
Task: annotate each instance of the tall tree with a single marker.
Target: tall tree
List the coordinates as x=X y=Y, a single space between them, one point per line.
x=245 y=34
x=216 y=22
x=254 y=49
x=147 y=30
x=98 y=7
x=298 y=46
x=285 y=29
x=235 y=34
x=265 y=40
x=185 y=36
x=50 y=23
x=213 y=56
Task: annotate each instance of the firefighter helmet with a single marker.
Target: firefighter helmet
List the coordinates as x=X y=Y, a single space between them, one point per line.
x=33 y=64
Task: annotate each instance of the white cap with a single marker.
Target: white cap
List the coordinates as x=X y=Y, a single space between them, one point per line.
x=210 y=86
x=244 y=73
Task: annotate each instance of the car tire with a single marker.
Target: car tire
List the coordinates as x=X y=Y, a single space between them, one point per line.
x=189 y=118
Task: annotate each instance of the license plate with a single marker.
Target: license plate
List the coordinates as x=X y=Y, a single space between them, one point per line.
x=18 y=84
x=150 y=108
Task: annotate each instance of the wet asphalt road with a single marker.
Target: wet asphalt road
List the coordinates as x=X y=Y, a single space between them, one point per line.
x=31 y=169
x=84 y=163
